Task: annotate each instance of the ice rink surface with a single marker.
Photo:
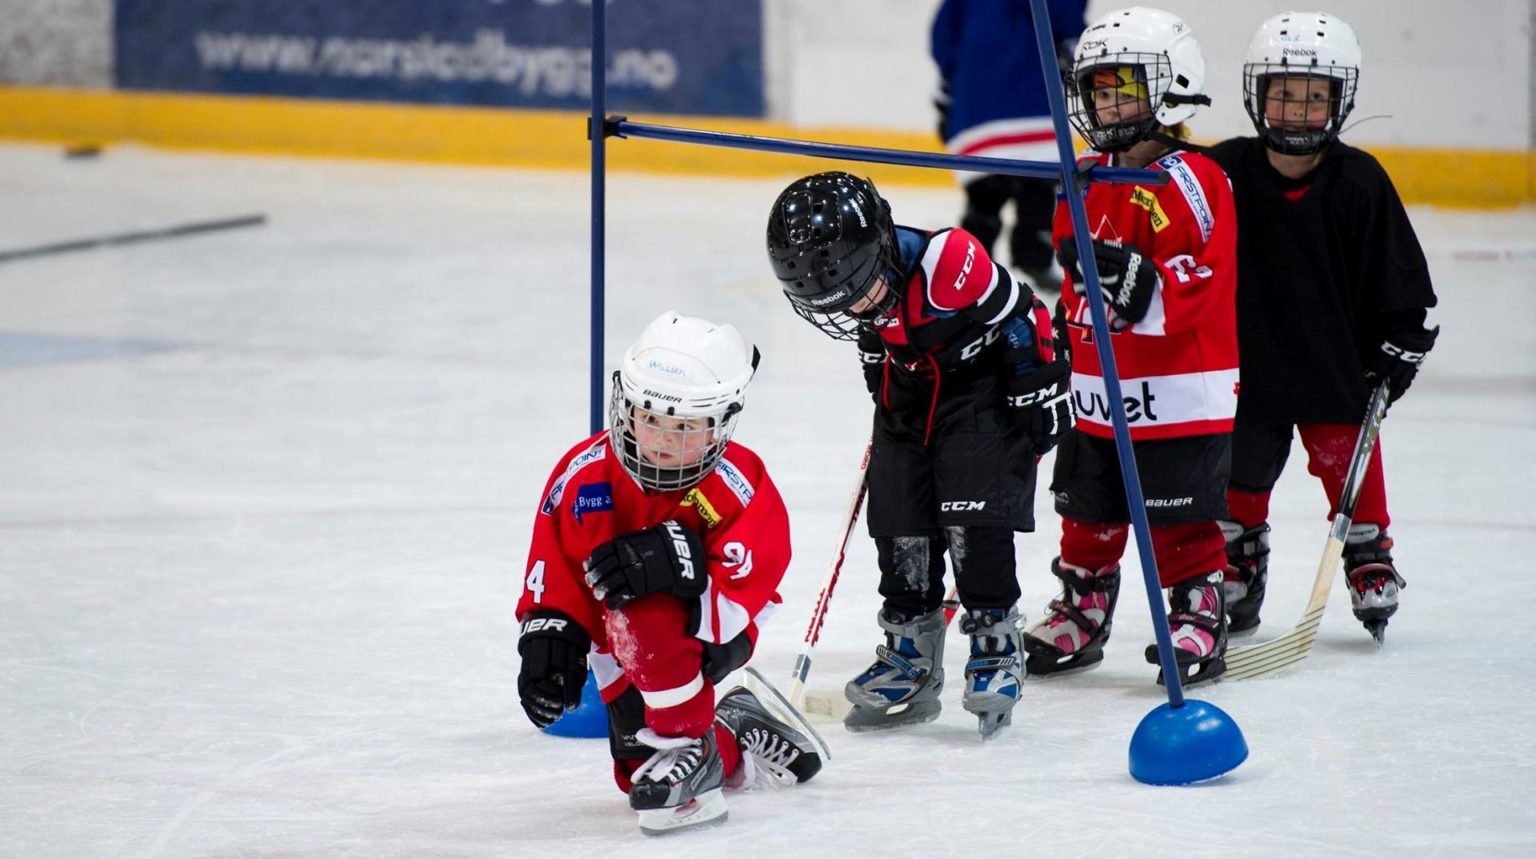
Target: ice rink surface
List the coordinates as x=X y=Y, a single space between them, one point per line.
x=265 y=498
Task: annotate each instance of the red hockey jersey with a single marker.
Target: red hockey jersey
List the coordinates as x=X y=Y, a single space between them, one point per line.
x=589 y=499
x=1178 y=365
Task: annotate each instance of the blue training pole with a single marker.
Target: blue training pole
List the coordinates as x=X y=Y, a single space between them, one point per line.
x=595 y=132
x=1046 y=41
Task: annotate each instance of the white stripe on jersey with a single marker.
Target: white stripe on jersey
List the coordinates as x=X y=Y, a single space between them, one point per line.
x=1013 y=296
x=734 y=481
x=720 y=617
x=1194 y=194
x=596 y=453
x=1160 y=401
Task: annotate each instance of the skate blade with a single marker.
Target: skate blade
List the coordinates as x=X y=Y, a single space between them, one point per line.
x=861 y=719
x=1200 y=674
x=703 y=811
x=777 y=704
x=1378 y=631
x=1037 y=667
x=988 y=724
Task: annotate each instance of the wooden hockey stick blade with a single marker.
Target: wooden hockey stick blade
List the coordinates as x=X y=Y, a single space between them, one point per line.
x=1271 y=657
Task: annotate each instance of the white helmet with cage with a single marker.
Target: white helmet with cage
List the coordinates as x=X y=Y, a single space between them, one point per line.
x=1146 y=54
x=675 y=399
x=1300 y=45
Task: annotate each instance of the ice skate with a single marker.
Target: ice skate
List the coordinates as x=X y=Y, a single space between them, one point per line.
x=1373 y=580
x=782 y=746
x=1197 y=624
x=1246 y=576
x=902 y=686
x=1072 y=635
x=994 y=672
x=679 y=786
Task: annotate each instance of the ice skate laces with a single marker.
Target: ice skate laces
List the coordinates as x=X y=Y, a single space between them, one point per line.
x=770 y=751
x=671 y=766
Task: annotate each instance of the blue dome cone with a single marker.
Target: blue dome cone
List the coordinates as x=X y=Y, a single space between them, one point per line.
x=1183 y=745
x=589 y=719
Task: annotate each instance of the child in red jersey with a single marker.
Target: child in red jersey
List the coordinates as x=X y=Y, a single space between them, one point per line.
x=1167 y=262
x=659 y=546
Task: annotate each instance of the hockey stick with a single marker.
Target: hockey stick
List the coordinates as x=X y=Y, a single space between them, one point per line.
x=178 y=231
x=802 y=667
x=1271 y=657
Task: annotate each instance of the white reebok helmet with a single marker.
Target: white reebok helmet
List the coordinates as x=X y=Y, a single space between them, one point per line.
x=1302 y=45
x=1150 y=55
x=675 y=399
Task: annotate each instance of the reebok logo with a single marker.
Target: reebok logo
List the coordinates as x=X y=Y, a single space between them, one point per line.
x=680 y=549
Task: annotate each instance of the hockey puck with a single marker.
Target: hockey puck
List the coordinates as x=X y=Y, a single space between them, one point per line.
x=82 y=150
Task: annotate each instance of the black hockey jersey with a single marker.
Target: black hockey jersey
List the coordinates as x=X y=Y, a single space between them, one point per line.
x=1328 y=266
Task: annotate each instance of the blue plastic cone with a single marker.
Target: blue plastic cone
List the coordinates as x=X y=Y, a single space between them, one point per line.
x=588 y=720
x=1183 y=745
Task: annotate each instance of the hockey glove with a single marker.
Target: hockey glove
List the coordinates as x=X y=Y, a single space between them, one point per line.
x=1043 y=404
x=554 y=650
x=1126 y=278
x=872 y=357
x=1398 y=359
x=667 y=558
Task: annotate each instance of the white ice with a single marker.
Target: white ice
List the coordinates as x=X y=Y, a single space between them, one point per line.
x=265 y=498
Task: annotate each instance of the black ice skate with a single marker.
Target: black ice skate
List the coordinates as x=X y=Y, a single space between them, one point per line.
x=1373 y=581
x=1246 y=576
x=1197 y=623
x=679 y=786
x=783 y=747
x=1072 y=635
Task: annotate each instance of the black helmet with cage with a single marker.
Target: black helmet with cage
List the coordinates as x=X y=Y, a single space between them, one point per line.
x=831 y=242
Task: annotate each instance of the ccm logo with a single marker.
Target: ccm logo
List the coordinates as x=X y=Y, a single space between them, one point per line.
x=965 y=269
x=552 y=624
x=961 y=506
x=680 y=549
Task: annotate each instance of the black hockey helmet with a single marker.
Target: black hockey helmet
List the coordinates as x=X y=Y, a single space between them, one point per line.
x=831 y=241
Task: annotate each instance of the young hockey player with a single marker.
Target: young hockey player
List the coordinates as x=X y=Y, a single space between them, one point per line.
x=992 y=103
x=968 y=392
x=1166 y=257
x=659 y=544
x=1332 y=297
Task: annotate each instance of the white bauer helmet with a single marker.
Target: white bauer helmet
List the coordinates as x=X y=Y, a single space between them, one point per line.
x=1300 y=45
x=682 y=369
x=1156 y=58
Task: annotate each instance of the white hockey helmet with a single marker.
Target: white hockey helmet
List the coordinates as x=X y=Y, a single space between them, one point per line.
x=675 y=399
x=1154 y=56
x=1302 y=45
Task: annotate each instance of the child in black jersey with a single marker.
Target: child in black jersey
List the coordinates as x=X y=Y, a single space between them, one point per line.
x=1332 y=296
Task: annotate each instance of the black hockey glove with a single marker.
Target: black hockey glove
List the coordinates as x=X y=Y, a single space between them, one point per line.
x=554 y=650
x=1398 y=359
x=1126 y=277
x=872 y=357
x=667 y=558
x=1042 y=403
